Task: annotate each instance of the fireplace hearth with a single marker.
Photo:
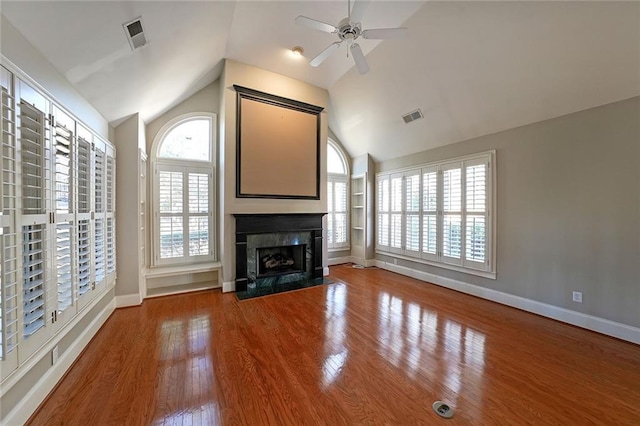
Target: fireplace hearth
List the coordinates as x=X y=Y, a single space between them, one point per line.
x=275 y=250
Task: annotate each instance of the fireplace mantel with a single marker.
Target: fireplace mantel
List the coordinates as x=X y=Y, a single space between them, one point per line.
x=250 y=224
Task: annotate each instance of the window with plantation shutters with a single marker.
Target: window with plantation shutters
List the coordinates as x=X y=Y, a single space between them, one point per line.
x=440 y=214
x=83 y=254
x=337 y=198
x=183 y=193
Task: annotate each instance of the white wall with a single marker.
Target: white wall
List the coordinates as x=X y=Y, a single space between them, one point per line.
x=18 y=51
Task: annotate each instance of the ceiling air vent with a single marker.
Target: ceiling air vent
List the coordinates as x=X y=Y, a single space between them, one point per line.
x=135 y=33
x=412 y=116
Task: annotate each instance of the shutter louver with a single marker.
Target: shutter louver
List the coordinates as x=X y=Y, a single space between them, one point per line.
x=396 y=213
x=330 y=222
x=33 y=278
x=429 y=212
x=412 y=212
x=8 y=292
x=62 y=147
x=99 y=247
x=383 y=212
x=84 y=176
x=111 y=245
x=32 y=142
x=476 y=209
x=64 y=233
x=340 y=209
x=84 y=257
x=99 y=178
x=452 y=207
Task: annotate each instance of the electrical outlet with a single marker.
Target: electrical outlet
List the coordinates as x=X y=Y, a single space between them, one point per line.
x=54 y=355
x=577 y=296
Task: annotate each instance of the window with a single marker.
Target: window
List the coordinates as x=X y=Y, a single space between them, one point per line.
x=183 y=191
x=337 y=198
x=439 y=214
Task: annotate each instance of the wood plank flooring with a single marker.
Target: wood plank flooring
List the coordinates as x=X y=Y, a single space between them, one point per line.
x=373 y=348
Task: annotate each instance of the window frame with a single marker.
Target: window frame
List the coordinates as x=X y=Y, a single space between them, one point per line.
x=485 y=269
x=332 y=179
x=186 y=167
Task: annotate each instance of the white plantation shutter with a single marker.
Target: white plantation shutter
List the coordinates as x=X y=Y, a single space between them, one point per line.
x=84 y=175
x=430 y=213
x=441 y=213
x=184 y=216
x=337 y=225
x=476 y=172
x=64 y=247
x=412 y=213
x=33 y=159
x=34 y=244
x=100 y=261
x=395 y=227
x=62 y=148
x=8 y=239
x=452 y=213
x=330 y=225
x=83 y=253
x=198 y=214
x=384 y=209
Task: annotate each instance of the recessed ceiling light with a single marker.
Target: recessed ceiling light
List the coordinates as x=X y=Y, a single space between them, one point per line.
x=297 y=50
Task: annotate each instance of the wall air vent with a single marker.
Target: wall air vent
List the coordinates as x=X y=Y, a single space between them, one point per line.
x=135 y=33
x=412 y=116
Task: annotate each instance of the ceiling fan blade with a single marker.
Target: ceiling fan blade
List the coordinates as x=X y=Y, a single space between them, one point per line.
x=358 y=9
x=384 y=33
x=325 y=54
x=359 y=58
x=315 y=24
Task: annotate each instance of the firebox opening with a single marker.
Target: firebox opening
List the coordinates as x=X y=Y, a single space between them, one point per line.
x=280 y=260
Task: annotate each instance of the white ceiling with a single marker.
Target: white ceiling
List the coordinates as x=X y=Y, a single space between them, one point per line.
x=472 y=67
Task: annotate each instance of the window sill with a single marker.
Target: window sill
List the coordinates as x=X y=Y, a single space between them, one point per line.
x=169 y=271
x=335 y=249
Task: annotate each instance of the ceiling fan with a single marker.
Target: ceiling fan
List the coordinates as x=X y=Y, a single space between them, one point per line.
x=349 y=29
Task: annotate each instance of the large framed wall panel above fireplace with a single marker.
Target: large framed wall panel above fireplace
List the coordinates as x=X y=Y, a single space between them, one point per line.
x=279 y=247
x=277 y=147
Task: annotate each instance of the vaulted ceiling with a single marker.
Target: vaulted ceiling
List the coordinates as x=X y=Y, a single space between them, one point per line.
x=473 y=68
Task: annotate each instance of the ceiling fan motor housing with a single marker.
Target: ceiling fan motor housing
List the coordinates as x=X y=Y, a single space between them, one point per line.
x=348 y=30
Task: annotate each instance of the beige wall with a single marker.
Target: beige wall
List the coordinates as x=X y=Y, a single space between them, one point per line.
x=568 y=213
x=129 y=135
x=276 y=84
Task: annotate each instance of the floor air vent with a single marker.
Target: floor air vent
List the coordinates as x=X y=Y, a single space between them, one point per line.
x=412 y=116
x=135 y=33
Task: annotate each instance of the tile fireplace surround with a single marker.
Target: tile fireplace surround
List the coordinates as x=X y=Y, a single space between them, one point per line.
x=256 y=231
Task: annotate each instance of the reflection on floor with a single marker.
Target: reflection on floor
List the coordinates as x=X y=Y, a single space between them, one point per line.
x=268 y=286
x=373 y=347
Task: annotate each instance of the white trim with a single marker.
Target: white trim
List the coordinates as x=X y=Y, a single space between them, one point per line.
x=180 y=289
x=128 y=300
x=26 y=365
x=32 y=400
x=170 y=271
x=339 y=260
x=484 y=274
x=228 y=286
x=589 y=322
x=325 y=271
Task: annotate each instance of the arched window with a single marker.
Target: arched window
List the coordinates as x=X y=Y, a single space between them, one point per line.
x=337 y=198
x=183 y=190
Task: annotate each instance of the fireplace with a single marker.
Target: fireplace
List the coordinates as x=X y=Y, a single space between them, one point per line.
x=280 y=260
x=277 y=249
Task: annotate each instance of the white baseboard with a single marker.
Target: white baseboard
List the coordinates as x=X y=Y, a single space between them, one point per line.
x=228 y=286
x=339 y=260
x=32 y=400
x=589 y=322
x=128 y=300
x=325 y=271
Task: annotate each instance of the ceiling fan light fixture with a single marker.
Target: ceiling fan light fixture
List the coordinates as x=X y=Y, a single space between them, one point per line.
x=297 y=51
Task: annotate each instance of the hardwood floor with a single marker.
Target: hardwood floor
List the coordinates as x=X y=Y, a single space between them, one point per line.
x=375 y=347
